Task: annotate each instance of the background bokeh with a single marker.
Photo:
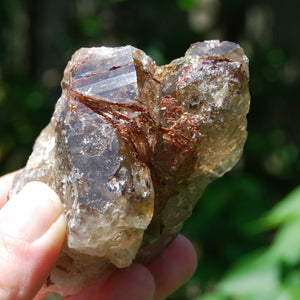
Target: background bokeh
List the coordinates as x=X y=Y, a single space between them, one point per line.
x=38 y=37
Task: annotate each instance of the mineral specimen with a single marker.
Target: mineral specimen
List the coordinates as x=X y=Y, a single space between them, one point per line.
x=131 y=147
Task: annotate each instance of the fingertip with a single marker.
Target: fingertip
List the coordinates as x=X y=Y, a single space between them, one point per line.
x=30 y=214
x=32 y=233
x=133 y=283
x=173 y=267
x=184 y=245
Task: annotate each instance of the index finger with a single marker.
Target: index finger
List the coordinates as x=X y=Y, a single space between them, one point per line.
x=5 y=185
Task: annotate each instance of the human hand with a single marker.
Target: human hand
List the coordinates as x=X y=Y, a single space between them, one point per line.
x=32 y=232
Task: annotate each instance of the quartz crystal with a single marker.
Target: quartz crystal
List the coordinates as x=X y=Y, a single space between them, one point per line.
x=131 y=147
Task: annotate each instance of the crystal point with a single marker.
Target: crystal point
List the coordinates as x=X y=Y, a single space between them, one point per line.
x=130 y=148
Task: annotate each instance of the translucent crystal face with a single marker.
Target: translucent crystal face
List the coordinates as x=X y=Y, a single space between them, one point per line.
x=131 y=147
x=100 y=182
x=105 y=73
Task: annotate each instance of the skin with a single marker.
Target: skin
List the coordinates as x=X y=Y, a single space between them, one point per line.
x=30 y=243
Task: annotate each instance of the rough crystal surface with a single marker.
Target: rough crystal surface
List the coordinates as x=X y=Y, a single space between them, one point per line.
x=131 y=147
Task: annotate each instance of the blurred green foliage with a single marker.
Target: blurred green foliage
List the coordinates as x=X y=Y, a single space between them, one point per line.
x=271 y=272
x=245 y=251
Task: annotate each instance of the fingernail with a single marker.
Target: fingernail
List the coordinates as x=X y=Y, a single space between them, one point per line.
x=31 y=212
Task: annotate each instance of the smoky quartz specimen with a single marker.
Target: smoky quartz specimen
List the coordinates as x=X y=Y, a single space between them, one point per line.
x=131 y=147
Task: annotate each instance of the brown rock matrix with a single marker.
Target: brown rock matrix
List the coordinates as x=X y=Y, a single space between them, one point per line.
x=130 y=148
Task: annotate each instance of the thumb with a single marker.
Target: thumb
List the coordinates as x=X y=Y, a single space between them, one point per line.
x=32 y=232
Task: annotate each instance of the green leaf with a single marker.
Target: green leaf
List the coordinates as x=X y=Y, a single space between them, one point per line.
x=286 y=210
x=286 y=246
x=255 y=274
x=291 y=284
x=187 y=5
x=213 y=296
